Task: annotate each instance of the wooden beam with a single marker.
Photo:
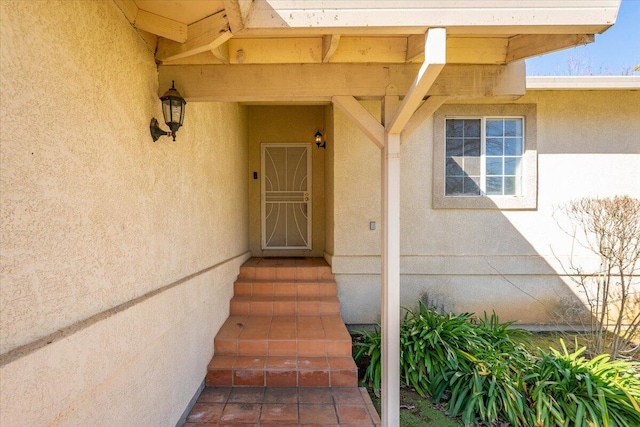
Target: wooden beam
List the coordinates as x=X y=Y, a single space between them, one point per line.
x=278 y=82
x=464 y=50
x=415 y=48
x=199 y=59
x=361 y=117
x=237 y=11
x=189 y=49
x=128 y=8
x=476 y=50
x=277 y=51
x=528 y=45
x=425 y=111
x=319 y=82
x=503 y=85
x=371 y=50
x=329 y=45
x=435 y=57
x=387 y=50
x=203 y=35
x=329 y=48
x=161 y=26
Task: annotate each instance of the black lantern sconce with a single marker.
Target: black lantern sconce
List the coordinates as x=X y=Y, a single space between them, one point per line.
x=319 y=142
x=173 y=111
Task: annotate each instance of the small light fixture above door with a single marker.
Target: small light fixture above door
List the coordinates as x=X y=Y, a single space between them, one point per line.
x=173 y=111
x=319 y=141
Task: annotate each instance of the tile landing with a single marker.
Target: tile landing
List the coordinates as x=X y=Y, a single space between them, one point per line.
x=281 y=406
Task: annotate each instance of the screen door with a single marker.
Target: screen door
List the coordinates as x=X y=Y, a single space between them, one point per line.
x=286 y=196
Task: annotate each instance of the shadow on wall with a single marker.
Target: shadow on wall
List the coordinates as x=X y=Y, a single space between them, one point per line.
x=516 y=262
x=476 y=260
x=486 y=264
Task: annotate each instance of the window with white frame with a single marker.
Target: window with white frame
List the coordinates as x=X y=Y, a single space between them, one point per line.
x=485 y=156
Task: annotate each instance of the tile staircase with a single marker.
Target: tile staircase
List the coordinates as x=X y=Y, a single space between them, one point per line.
x=284 y=329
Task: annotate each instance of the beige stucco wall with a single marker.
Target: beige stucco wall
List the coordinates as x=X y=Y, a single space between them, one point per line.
x=119 y=251
x=356 y=187
x=482 y=260
x=283 y=124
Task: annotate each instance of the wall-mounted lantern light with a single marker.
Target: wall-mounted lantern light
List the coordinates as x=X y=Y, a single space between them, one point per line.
x=319 y=142
x=173 y=111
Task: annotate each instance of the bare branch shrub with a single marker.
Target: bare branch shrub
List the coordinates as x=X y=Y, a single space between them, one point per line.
x=610 y=229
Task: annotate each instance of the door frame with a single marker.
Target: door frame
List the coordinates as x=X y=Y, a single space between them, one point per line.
x=309 y=179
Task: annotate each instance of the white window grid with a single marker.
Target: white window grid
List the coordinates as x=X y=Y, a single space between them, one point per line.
x=483 y=156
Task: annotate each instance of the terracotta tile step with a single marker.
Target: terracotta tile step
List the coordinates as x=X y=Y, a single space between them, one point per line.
x=284 y=347
x=283 y=336
x=318 y=288
x=268 y=305
x=275 y=371
x=286 y=269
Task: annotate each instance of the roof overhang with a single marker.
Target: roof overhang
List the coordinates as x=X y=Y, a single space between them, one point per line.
x=303 y=17
x=583 y=83
x=358 y=31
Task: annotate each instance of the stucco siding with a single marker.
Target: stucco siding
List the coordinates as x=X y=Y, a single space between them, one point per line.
x=483 y=259
x=118 y=254
x=356 y=181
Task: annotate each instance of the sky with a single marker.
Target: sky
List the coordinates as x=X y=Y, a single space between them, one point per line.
x=615 y=52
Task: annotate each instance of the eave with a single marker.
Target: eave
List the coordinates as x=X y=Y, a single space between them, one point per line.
x=311 y=16
x=348 y=31
x=583 y=83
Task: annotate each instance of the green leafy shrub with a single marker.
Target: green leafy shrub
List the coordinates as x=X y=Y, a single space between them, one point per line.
x=483 y=380
x=567 y=389
x=369 y=348
x=471 y=364
x=483 y=373
x=431 y=344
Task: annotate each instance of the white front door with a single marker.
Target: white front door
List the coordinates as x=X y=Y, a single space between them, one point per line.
x=286 y=196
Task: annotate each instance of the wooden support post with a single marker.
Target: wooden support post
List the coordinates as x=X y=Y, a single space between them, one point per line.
x=390 y=271
x=435 y=52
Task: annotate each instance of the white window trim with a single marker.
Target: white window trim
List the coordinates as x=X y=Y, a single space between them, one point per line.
x=483 y=153
x=529 y=197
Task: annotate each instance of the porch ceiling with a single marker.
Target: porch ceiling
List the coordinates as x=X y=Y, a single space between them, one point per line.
x=269 y=32
x=377 y=31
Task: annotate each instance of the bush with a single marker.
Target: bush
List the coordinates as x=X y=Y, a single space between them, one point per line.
x=369 y=348
x=567 y=389
x=483 y=373
x=609 y=228
x=470 y=364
